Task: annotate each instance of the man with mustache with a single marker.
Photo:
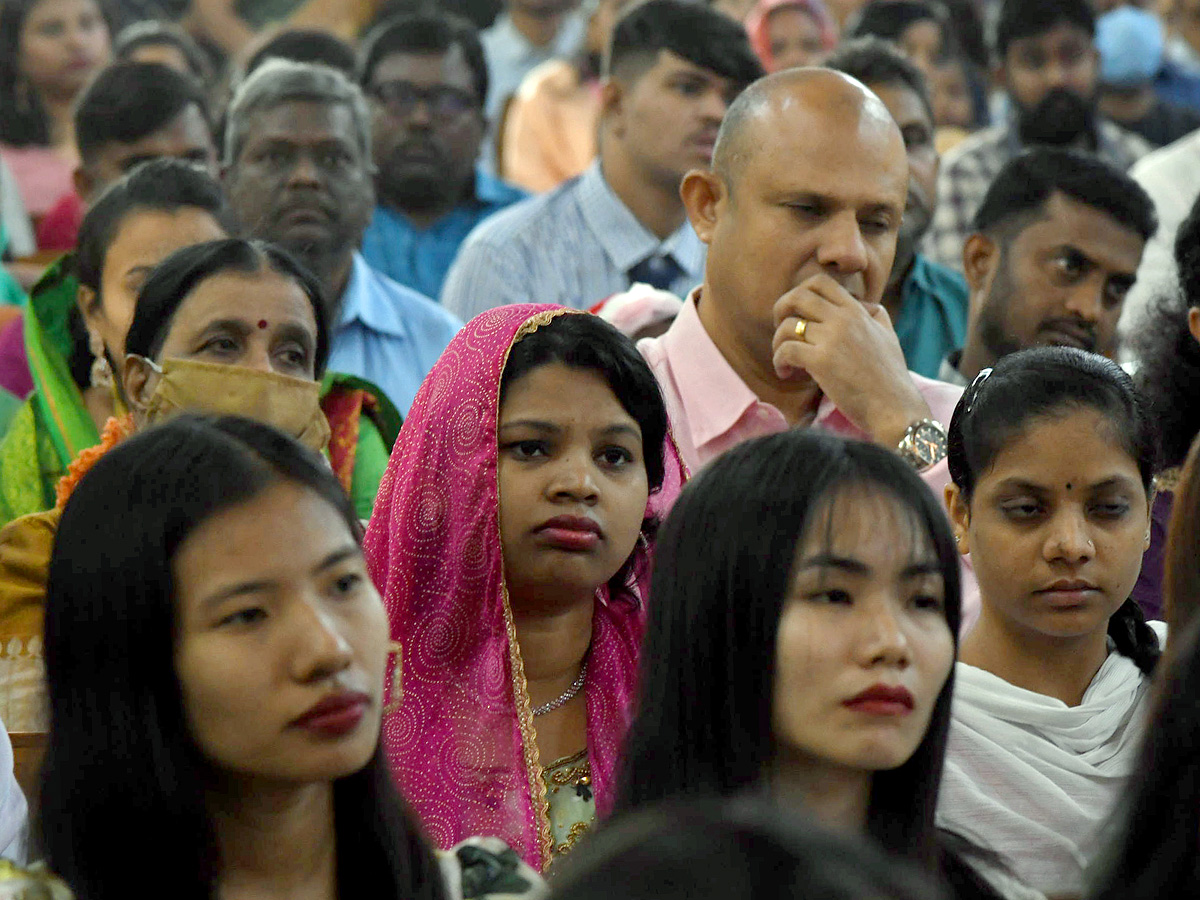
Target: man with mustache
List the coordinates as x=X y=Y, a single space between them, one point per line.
x=1049 y=68
x=426 y=78
x=927 y=302
x=1056 y=248
x=673 y=69
x=298 y=173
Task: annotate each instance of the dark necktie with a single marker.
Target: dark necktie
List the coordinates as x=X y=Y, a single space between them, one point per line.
x=657 y=271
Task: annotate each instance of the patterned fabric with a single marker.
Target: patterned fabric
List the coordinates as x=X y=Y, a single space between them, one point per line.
x=572 y=802
x=460 y=734
x=573 y=246
x=968 y=170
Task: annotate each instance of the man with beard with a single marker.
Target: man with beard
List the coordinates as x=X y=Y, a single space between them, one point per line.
x=1049 y=68
x=673 y=68
x=426 y=78
x=927 y=302
x=1056 y=248
x=298 y=173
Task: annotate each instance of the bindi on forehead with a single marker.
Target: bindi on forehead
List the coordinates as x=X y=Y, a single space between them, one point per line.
x=262 y=324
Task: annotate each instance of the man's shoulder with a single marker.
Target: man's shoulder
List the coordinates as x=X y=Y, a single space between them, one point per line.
x=532 y=221
x=1180 y=158
x=983 y=146
x=412 y=306
x=940 y=280
x=496 y=193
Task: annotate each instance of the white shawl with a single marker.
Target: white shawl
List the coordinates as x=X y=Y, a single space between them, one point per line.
x=1034 y=779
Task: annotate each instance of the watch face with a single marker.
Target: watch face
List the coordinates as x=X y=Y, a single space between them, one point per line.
x=927 y=443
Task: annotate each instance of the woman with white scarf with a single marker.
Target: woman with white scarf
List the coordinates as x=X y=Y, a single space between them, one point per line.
x=1052 y=456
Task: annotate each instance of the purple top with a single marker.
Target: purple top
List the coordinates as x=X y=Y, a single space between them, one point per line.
x=1148 y=590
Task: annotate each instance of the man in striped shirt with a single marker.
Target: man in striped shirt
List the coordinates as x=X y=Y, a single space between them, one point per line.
x=673 y=69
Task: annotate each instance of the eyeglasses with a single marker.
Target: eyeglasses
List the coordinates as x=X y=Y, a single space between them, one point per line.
x=401 y=98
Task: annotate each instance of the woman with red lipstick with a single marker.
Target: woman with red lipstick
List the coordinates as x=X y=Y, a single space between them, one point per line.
x=216 y=655
x=49 y=51
x=801 y=638
x=510 y=541
x=1051 y=456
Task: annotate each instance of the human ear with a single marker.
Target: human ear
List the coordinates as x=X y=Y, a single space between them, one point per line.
x=980 y=257
x=612 y=102
x=702 y=193
x=960 y=517
x=83 y=182
x=1194 y=323
x=138 y=381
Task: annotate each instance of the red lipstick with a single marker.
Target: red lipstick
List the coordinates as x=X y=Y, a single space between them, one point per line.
x=882 y=700
x=575 y=533
x=336 y=715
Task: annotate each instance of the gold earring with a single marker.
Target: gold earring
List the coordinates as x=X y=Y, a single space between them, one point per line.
x=396 y=684
x=102 y=373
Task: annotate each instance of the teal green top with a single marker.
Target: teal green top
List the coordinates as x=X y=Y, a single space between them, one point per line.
x=933 y=315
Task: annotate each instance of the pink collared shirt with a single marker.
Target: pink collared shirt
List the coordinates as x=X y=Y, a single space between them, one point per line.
x=712 y=410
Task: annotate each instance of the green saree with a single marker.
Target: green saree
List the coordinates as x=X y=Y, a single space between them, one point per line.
x=53 y=425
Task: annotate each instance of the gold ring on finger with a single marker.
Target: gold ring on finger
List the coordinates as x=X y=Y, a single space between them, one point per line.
x=801 y=328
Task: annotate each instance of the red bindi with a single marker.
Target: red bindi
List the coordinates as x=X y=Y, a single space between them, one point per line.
x=262 y=323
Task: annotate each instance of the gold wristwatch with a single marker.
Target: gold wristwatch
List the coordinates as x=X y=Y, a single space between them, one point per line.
x=924 y=444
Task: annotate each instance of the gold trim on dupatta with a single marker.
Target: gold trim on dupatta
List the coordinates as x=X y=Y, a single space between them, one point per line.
x=533 y=766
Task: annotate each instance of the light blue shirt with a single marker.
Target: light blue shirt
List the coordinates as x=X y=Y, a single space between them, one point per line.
x=419 y=258
x=573 y=246
x=389 y=334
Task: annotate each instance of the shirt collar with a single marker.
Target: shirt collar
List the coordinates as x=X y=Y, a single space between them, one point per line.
x=624 y=239
x=712 y=394
x=920 y=279
x=366 y=301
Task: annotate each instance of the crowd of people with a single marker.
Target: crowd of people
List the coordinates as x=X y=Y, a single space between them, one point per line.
x=600 y=448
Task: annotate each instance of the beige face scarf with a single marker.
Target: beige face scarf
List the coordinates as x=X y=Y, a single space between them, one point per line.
x=290 y=404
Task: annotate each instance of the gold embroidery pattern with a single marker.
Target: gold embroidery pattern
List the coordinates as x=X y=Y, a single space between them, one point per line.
x=578 y=830
x=533 y=768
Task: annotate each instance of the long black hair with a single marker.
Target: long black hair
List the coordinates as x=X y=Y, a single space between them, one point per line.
x=1168 y=356
x=588 y=342
x=23 y=119
x=704 y=723
x=741 y=849
x=173 y=279
x=122 y=770
x=1154 y=851
x=1039 y=383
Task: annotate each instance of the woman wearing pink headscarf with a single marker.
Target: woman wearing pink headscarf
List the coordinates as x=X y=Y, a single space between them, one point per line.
x=790 y=33
x=510 y=541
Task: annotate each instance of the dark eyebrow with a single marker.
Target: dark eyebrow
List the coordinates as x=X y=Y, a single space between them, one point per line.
x=257 y=587
x=534 y=424
x=630 y=431
x=237 y=326
x=236 y=590
x=337 y=556
x=832 y=561
x=921 y=568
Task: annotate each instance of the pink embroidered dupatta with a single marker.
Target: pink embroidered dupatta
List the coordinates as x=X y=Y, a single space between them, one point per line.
x=459 y=733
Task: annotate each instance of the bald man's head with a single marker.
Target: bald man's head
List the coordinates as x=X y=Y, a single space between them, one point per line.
x=810 y=179
x=796 y=98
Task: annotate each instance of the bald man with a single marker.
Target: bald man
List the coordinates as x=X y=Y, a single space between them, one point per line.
x=800 y=212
